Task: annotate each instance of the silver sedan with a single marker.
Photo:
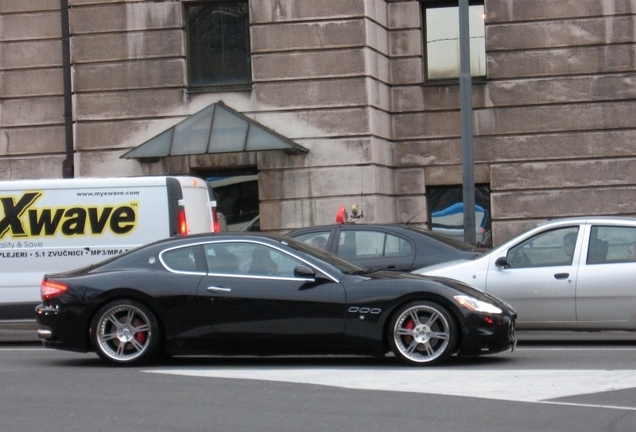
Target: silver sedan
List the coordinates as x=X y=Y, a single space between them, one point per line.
x=565 y=274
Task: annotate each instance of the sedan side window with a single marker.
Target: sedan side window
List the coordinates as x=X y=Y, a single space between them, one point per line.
x=316 y=239
x=611 y=244
x=549 y=248
x=371 y=244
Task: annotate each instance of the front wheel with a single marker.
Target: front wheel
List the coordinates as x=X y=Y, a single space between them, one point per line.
x=422 y=333
x=125 y=332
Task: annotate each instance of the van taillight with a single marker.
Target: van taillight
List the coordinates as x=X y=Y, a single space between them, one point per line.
x=181 y=221
x=216 y=225
x=50 y=289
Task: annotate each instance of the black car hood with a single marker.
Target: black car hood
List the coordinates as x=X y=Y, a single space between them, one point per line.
x=451 y=283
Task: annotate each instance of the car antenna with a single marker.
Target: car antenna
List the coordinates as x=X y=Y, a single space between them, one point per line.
x=416 y=215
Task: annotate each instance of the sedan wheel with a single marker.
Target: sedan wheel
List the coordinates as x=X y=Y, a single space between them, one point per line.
x=422 y=333
x=125 y=332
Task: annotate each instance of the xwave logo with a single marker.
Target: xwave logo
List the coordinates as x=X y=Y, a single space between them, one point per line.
x=21 y=218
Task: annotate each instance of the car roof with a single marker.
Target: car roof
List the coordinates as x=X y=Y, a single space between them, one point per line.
x=593 y=219
x=362 y=225
x=246 y=235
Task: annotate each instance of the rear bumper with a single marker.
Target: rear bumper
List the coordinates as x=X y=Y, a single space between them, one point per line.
x=61 y=330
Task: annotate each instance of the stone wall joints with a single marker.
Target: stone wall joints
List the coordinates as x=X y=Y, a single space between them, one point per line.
x=9 y=7
x=431 y=138
x=535 y=10
x=529 y=21
x=575 y=61
x=535 y=92
x=566 y=49
x=27 y=40
x=565 y=33
x=335 y=78
x=321 y=20
x=313 y=21
x=21 y=30
x=125 y=16
x=127 y=60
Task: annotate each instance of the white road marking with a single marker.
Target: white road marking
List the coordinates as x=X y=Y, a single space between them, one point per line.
x=23 y=349
x=511 y=385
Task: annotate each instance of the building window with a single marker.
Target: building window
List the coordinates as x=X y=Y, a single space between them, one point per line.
x=447 y=212
x=441 y=24
x=218 y=44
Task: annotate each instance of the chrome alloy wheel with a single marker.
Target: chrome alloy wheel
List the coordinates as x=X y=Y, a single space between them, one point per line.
x=123 y=333
x=423 y=333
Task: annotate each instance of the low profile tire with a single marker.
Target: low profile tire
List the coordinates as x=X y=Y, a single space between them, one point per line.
x=125 y=332
x=422 y=333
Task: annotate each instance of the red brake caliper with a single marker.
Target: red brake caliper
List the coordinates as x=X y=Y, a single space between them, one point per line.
x=140 y=336
x=409 y=324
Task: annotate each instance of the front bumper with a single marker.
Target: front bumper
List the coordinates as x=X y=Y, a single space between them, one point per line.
x=488 y=334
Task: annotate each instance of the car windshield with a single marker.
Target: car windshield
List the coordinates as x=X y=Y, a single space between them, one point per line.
x=345 y=267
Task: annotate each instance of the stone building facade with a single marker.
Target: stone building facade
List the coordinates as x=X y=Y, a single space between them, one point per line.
x=554 y=117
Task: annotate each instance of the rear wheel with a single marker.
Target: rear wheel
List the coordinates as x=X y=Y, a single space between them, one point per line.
x=125 y=332
x=422 y=333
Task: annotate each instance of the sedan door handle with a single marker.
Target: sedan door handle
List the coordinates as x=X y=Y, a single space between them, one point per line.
x=219 y=289
x=562 y=275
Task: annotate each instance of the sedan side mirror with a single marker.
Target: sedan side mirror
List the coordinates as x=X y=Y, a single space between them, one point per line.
x=304 y=272
x=502 y=262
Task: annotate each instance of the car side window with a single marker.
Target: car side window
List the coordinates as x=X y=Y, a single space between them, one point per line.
x=244 y=258
x=181 y=259
x=611 y=244
x=317 y=239
x=549 y=248
x=371 y=244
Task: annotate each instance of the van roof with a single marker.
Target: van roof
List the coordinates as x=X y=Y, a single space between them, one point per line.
x=91 y=182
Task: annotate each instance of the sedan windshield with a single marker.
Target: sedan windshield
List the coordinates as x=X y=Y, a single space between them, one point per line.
x=344 y=266
x=457 y=244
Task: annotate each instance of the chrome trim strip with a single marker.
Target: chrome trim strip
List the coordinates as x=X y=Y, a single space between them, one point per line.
x=333 y=278
x=45 y=334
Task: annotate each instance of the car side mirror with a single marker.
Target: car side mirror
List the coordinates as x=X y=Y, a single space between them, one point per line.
x=502 y=262
x=304 y=272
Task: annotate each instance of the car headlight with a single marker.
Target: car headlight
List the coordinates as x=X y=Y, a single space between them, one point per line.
x=477 y=305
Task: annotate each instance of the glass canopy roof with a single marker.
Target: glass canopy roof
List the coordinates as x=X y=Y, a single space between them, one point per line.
x=215 y=129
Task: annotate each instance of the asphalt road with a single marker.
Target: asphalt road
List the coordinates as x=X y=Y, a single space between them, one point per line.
x=542 y=386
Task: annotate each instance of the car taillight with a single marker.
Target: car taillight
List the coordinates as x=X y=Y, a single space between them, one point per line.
x=50 y=289
x=181 y=221
x=216 y=226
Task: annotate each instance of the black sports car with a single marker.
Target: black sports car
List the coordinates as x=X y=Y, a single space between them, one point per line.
x=386 y=246
x=242 y=293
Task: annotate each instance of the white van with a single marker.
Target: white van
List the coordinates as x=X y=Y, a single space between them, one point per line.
x=49 y=226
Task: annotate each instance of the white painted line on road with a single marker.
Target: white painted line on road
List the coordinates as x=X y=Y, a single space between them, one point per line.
x=510 y=385
x=576 y=349
x=615 y=407
x=23 y=349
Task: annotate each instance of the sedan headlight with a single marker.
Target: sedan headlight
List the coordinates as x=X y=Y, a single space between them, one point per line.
x=477 y=305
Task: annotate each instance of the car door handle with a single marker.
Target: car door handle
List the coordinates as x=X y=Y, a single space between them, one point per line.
x=219 y=289
x=562 y=275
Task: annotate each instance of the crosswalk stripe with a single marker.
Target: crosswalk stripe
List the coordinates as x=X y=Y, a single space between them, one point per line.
x=512 y=385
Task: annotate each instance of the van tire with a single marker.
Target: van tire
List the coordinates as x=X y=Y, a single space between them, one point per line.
x=125 y=332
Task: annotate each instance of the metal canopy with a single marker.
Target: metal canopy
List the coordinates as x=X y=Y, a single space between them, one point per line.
x=215 y=129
